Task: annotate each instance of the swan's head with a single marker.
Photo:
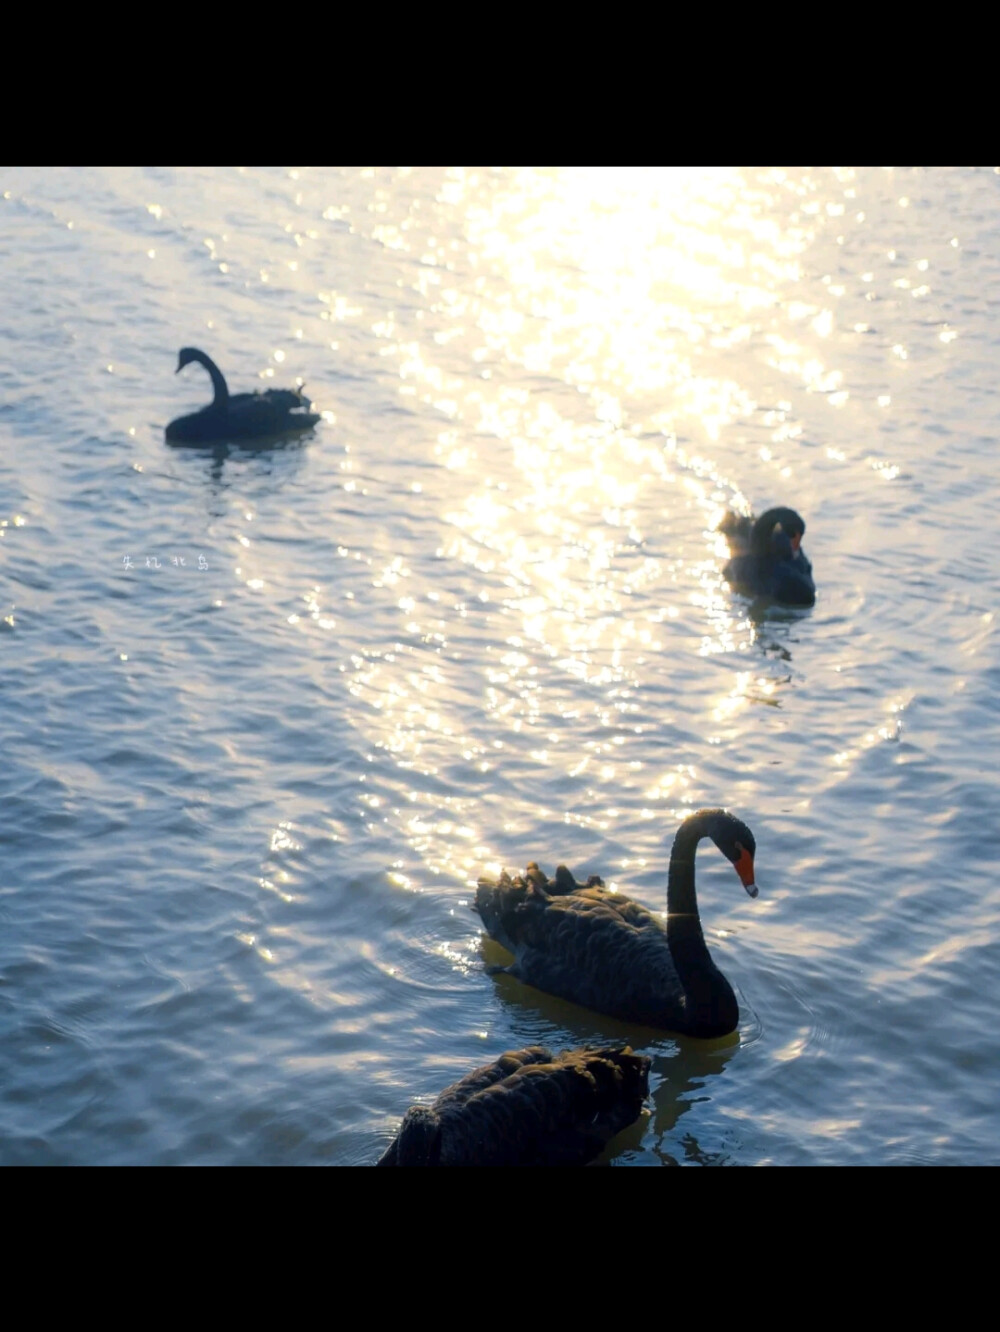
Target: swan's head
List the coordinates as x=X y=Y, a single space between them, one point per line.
x=783 y=520
x=736 y=842
x=188 y=354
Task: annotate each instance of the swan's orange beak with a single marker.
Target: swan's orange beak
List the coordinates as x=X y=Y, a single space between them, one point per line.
x=744 y=868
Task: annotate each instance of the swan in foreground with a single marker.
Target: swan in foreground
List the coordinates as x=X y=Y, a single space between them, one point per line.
x=767 y=556
x=610 y=954
x=528 y=1108
x=242 y=416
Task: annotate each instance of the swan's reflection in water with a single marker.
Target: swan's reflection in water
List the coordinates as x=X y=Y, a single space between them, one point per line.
x=770 y=642
x=681 y=1081
x=773 y=625
x=261 y=453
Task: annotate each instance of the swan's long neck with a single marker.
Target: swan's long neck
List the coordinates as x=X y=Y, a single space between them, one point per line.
x=710 y=1004
x=683 y=922
x=221 y=398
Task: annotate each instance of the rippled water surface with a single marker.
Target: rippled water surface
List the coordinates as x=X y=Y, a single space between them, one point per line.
x=265 y=716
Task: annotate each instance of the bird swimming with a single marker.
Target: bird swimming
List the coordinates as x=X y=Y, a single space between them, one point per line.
x=528 y=1108
x=241 y=416
x=610 y=954
x=767 y=556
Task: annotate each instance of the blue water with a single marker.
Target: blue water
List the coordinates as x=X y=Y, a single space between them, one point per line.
x=265 y=717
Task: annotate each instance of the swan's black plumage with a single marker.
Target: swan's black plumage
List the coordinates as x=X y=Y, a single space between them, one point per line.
x=241 y=416
x=610 y=954
x=528 y=1108
x=767 y=558
x=561 y=882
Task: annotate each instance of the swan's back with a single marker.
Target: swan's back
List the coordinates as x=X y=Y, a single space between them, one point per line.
x=245 y=416
x=593 y=947
x=273 y=412
x=527 y=1108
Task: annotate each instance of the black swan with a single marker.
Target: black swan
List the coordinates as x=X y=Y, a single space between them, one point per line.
x=608 y=953
x=529 y=1108
x=243 y=416
x=767 y=557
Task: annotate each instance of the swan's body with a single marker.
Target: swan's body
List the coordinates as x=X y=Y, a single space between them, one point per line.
x=241 y=416
x=767 y=557
x=529 y=1108
x=610 y=954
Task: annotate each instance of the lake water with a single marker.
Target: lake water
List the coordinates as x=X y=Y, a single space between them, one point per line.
x=265 y=717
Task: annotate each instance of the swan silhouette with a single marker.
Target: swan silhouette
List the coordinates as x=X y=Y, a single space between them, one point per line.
x=767 y=556
x=610 y=954
x=528 y=1108
x=240 y=416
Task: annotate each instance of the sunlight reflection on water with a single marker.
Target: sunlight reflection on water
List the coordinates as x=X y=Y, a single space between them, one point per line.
x=478 y=618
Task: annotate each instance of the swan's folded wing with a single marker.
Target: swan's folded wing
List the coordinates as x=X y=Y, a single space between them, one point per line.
x=560 y=1112
x=508 y=1064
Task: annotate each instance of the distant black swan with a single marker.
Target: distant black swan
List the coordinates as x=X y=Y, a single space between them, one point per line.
x=529 y=1108
x=244 y=416
x=608 y=953
x=767 y=557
